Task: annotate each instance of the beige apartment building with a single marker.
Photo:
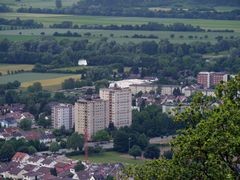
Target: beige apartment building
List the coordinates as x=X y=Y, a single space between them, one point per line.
x=144 y=87
x=92 y=115
x=168 y=89
x=120 y=103
x=62 y=115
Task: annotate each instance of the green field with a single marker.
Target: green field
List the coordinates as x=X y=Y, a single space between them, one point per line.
x=75 y=68
x=109 y=157
x=36 y=3
x=118 y=35
x=48 y=19
x=226 y=8
x=25 y=77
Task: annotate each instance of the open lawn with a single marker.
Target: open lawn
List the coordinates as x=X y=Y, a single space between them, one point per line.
x=5 y=68
x=110 y=157
x=118 y=35
x=48 y=19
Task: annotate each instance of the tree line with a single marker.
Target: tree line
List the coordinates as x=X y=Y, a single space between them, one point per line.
x=151 y=26
x=101 y=10
x=29 y=23
x=152 y=3
x=162 y=59
x=4 y=8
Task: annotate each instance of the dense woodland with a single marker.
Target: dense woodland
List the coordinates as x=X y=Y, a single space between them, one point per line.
x=162 y=59
x=4 y=8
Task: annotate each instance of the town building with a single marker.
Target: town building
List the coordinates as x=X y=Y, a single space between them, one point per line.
x=203 y=78
x=62 y=115
x=144 y=87
x=31 y=167
x=209 y=79
x=120 y=103
x=173 y=108
x=91 y=115
x=127 y=82
x=169 y=89
x=217 y=77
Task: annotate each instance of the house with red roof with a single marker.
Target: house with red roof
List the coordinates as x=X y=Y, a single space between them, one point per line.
x=61 y=167
x=20 y=157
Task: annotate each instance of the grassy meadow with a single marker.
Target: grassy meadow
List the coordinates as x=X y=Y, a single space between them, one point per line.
x=110 y=157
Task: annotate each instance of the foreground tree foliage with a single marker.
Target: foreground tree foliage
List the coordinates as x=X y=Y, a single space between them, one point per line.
x=209 y=146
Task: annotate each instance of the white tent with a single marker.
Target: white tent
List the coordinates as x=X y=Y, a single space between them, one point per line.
x=82 y=62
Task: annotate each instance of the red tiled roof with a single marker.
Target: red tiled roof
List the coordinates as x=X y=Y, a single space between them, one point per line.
x=19 y=156
x=32 y=135
x=10 y=130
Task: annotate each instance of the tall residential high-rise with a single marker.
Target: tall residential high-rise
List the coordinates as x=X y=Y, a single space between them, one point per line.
x=208 y=79
x=203 y=78
x=92 y=115
x=120 y=103
x=62 y=115
x=217 y=77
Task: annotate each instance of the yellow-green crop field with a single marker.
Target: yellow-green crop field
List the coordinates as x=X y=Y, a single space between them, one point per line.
x=5 y=68
x=49 y=81
x=51 y=84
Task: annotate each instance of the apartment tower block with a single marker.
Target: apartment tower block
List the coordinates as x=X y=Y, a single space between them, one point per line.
x=120 y=102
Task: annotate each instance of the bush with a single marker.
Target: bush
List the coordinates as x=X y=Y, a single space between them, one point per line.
x=152 y=152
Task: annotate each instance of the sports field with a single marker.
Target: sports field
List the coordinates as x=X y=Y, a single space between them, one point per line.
x=8 y=68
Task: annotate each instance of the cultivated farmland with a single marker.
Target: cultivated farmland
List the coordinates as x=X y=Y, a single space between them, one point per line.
x=36 y=3
x=50 y=84
x=47 y=79
x=9 y=68
x=48 y=19
x=120 y=36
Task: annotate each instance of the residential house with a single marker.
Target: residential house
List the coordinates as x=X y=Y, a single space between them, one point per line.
x=169 y=89
x=20 y=157
x=144 y=87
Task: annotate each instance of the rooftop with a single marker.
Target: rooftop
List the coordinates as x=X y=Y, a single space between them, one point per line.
x=127 y=82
